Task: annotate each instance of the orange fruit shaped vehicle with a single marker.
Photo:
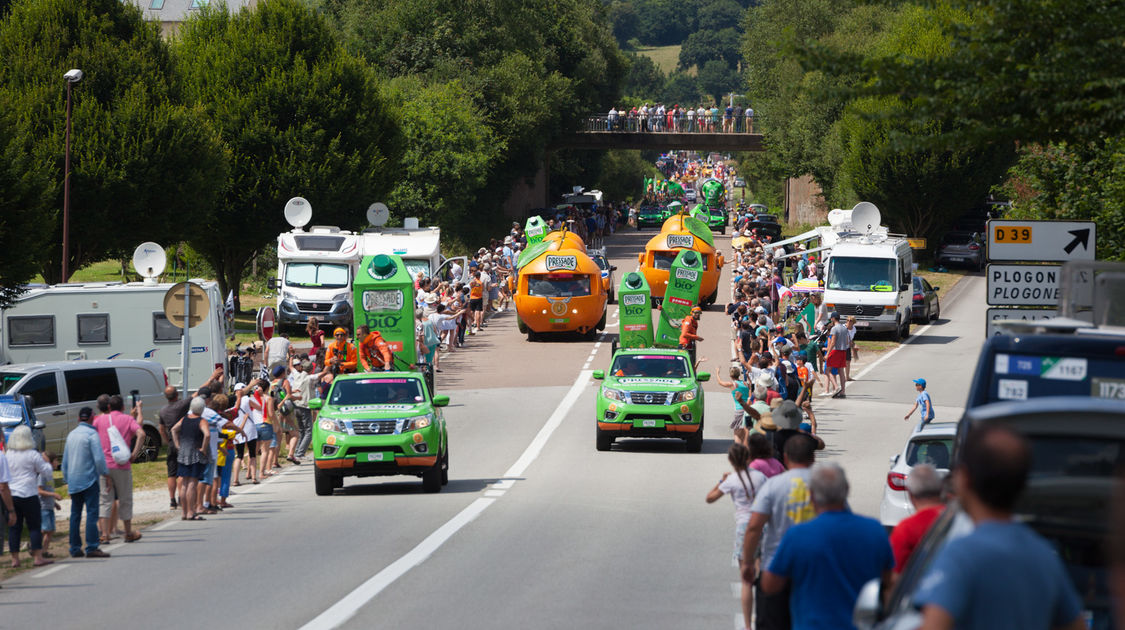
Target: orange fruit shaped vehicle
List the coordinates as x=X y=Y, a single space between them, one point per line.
x=558 y=288
x=681 y=231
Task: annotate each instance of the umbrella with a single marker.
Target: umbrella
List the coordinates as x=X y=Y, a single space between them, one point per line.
x=807 y=285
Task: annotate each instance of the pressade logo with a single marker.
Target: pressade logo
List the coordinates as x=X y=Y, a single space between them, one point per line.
x=554 y=263
x=635 y=299
x=687 y=274
x=681 y=240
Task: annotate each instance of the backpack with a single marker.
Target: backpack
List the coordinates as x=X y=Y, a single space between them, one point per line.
x=429 y=335
x=118 y=449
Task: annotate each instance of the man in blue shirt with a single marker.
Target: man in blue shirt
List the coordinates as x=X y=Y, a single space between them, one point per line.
x=828 y=559
x=83 y=463
x=923 y=400
x=1002 y=575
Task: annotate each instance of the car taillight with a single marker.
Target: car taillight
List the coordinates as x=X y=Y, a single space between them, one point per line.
x=918 y=298
x=974 y=247
x=896 y=481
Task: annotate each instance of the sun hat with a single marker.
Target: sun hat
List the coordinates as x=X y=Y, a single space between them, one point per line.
x=238 y=386
x=766 y=423
x=766 y=380
x=431 y=298
x=787 y=415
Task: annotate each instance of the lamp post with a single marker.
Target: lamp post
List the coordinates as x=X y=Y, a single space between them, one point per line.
x=71 y=77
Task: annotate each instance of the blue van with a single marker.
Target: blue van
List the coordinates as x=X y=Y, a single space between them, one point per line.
x=14 y=411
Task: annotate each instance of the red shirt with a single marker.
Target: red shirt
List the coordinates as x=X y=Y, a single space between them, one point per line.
x=909 y=532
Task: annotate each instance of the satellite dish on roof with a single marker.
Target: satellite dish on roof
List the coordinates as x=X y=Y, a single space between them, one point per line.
x=298 y=212
x=378 y=213
x=149 y=261
x=865 y=217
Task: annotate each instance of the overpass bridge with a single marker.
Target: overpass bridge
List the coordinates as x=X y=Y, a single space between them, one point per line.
x=598 y=132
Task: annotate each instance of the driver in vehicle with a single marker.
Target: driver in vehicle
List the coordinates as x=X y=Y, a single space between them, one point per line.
x=374 y=352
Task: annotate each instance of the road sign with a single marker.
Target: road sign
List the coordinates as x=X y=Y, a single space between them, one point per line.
x=174 y=304
x=917 y=243
x=1013 y=239
x=1023 y=285
x=266 y=323
x=997 y=315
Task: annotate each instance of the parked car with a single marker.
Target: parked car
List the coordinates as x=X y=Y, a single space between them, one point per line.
x=962 y=248
x=607 y=272
x=59 y=389
x=764 y=223
x=927 y=306
x=16 y=410
x=933 y=445
x=1067 y=501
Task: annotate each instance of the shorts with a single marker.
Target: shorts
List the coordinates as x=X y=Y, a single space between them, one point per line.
x=208 y=472
x=171 y=462
x=122 y=492
x=250 y=445
x=837 y=359
x=849 y=354
x=476 y=305
x=739 y=537
x=195 y=471
x=265 y=433
x=47 y=520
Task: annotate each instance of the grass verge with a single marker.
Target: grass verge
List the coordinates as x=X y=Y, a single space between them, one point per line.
x=665 y=57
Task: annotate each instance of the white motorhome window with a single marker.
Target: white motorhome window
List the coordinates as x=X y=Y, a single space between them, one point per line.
x=316 y=275
x=413 y=266
x=93 y=328
x=31 y=330
x=862 y=274
x=164 y=330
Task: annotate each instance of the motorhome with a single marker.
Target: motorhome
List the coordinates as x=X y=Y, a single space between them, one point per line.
x=418 y=247
x=112 y=320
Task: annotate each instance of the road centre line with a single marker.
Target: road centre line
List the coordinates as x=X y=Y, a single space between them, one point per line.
x=339 y=613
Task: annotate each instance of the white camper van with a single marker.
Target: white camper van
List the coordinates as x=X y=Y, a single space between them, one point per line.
x=314 y=275
x=111 y=320
x=419 y=247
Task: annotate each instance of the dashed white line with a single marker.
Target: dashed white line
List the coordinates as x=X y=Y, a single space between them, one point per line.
x=494 y=493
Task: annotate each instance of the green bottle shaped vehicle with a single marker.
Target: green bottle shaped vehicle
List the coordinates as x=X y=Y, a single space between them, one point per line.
x=635 y=312
x=382 y=423
x=535 y=229
x=681 y=295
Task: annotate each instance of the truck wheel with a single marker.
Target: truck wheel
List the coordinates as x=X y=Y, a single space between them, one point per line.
x=151 y=450
x=522 y=327
x=714 y=296
x=604 y=440
x=601 y=323
x=532 y=335
x=613 y=348
x=695 y=441
x=431 y=479
x=323 y=483
x=904 y=330
x=612 y=297
x=445 y=467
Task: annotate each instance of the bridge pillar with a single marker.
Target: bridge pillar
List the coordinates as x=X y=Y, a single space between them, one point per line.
x=528 y=192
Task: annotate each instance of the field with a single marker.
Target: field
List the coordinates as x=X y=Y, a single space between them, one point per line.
x=666 y=57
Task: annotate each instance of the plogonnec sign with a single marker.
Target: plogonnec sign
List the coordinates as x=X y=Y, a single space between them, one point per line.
x=1023 y=285
x=1048 y=241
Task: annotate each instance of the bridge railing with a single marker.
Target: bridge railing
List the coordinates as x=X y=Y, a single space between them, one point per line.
x=668 y=124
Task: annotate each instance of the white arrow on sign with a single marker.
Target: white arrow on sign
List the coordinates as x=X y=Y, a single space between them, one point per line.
x=1023 y=285
x=1013 y=239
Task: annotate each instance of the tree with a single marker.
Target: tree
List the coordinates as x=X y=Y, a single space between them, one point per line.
x=298 y=115
x=665 y=22
x=27 y=187
x=137 y=156
x=644 y=80
x=626 y=23
x=716 y=78
x=621 y=173
x=681 y=88
x=703 y=46
x=717 y=15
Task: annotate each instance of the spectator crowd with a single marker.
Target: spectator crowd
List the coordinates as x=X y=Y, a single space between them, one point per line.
x=660 y=118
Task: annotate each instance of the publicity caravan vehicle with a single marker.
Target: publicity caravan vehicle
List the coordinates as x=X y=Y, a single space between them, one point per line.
x=559 y=289
x=681 y=232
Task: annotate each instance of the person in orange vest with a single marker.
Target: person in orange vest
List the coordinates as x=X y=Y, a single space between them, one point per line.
x=340 y=356
x=374 y=353
x=688 y=328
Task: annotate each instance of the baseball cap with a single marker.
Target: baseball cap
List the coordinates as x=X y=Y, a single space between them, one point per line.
x=238 y=386
x=834 y=315
x=85 y=413
x=473 y=263
x=277 y=371
x=920 y=381
x=761 y=310
x=204 y=392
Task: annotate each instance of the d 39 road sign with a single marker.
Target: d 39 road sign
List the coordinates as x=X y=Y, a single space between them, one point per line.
x=1023 y=285
x=1051 y=241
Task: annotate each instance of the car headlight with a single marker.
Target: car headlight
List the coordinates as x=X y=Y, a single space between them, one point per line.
x=340 y=297
x=332 y=424
x=684 y=396
x=417 y=422
x=614 y=394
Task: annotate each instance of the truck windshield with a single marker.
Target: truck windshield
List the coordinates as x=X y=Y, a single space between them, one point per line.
x=558 y=285
x=376 y=391
x=861 y=274
x=316 y=275
x=8 y=380
x=651 y=366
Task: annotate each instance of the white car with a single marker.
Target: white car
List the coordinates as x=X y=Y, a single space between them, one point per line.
x=690 y=195
x=932 y=445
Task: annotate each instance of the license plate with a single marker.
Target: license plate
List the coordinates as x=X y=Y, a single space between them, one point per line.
x=860 y=324
x=648 y=423
x=956 y=259
x=374 y=457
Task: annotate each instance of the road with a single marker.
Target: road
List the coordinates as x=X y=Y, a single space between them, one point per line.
x=536 y=529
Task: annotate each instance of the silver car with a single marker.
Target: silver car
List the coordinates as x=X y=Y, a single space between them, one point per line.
x=933 y=445
x=962 y=249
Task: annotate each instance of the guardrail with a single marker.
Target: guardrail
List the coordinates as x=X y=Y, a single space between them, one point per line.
x=668 y=124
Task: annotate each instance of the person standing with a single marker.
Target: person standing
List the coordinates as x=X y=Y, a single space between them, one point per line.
x=278 y=350
x=169 y=415
x=923 y=486
x=839 y=341
x=192 y=438
x=1001 y=575
x=476 y=303
x=924 y=401
x=48 y=502
x=826 y=561
x=316 y=335
x=782 y=502
x=25 y=466
x=83 y=464
x=853 y=351
x=121 y=488
x=246 y=442
x=742 y=488
x=301 y=383
x=689 y=328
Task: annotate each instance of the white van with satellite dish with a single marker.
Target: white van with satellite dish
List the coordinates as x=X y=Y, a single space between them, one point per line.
x=419 y=247
x=114 y=320
x=314 y=270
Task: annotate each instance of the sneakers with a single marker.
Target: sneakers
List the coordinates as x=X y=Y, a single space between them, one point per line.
x=77 y=554
x=97 y=553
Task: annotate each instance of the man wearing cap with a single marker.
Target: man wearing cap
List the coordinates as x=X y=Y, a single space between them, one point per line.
x=838 y=343
x=374 y=352
x=923 y=400
x=340 y=356
x=688 y=328
x=83 y=464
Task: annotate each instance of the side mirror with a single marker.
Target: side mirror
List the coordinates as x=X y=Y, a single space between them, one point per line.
x=39 y=425
x=613 y=267
x=641 y=258
x=316 y=403
x=867 y=607
x=598 y=375
x=274 y=283
x=441 y=401
x=703 y=377
x=936 y=289
x=894 y=459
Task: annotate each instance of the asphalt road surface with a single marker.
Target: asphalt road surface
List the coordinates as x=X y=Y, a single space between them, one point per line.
x=536 y=529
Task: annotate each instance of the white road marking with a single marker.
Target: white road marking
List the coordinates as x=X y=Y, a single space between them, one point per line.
x=736 y=589
x=494 y=493
x=39 y=575
x=340 y=612
x=739 y=624
x=161 y=526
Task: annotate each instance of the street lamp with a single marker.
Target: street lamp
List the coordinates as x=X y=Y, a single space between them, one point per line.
x=71 y=77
